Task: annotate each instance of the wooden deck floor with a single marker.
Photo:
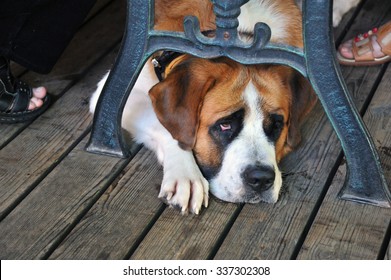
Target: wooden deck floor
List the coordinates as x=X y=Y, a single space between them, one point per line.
x=59 y=202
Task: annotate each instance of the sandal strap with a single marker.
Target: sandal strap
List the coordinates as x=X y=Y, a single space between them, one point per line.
x=363 y=50
x=6 y=98
x=17 y=101
x=23 y=95
x=384 y=38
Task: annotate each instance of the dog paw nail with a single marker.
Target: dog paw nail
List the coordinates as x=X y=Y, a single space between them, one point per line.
x=169 y=196
x=206 y=202
x=195 y=209
x=184 y=210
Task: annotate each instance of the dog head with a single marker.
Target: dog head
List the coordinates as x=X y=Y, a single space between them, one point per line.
x=238 y=120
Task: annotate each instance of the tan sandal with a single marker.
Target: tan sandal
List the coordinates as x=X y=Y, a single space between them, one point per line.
x=362 y=48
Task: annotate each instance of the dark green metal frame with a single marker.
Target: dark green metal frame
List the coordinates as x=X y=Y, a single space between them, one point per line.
x=365 y=182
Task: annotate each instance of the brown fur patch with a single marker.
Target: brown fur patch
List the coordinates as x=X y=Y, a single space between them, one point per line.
x=169 y=14
x=223 y=100
x=272 y=84
x=198 y=92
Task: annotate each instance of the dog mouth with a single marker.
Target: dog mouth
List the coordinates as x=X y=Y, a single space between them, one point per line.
x=249 y=196
x=253 y=183
x=256 y=184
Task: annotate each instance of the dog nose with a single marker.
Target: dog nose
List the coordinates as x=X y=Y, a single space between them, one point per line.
x=260 y=178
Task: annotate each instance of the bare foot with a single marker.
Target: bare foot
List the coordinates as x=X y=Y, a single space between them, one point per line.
x=346 y=49
x=37 y=100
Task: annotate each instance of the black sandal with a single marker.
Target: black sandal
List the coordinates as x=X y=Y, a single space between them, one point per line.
x=15 y=97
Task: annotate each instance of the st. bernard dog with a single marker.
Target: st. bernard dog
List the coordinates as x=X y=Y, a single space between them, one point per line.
x=218 y=126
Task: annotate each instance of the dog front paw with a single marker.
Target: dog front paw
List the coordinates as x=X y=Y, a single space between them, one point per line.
x=185 y=188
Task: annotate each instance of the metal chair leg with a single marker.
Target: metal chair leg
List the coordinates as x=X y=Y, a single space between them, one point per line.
x=106 y=136
x=365 y=179
x=365 y=182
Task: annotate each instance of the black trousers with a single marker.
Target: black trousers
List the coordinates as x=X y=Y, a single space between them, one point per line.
x=34 y=33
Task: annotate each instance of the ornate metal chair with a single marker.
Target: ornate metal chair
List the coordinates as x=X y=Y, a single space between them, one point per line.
x=365 y=182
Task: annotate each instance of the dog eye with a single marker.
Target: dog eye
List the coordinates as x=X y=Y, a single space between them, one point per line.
x=226 y=129
x=225 y=126
x=278 y=121
x=273 y=127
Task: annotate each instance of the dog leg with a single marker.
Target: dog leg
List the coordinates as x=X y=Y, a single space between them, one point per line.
x=183 y=185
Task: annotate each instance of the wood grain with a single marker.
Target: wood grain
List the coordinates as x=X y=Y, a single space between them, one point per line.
x=191 y=237
x=126 y=210
x=362 y=230
x=119 y=217
x=59 y=202
x=307 y=169
x=42 y=218
x=26 y=160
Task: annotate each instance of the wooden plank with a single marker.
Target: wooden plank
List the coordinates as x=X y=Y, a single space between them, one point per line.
x=41 y=145
x=345 y=23
x=40 y=220
x=273 y=231
x=123 y=214
x=117 y=220
x=190 y=237
x=359 y=235
x=170 y=238
x=95 y=39
x=376 y=14
x=173 y=236
x=366 y=23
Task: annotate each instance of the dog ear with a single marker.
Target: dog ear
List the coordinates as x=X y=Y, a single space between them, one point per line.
x=178 y=99
x=303 y=100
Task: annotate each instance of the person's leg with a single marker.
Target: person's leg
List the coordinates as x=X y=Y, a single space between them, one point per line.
x=46 y=31
x=34 y=34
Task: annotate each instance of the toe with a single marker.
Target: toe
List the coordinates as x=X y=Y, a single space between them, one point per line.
x=205 y=186
x=39 y=92
x=197 y=197
x=346 y=50
x=32 y=106
x=37 y=99
x=35 y=103
x=167 y=189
